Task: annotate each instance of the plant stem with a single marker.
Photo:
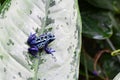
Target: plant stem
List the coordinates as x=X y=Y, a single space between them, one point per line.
x=37 y=60
x=114 y=22
x=45 y=18
x=112 y=47
x=86 y=70
x=36 y=68
x=110 y=44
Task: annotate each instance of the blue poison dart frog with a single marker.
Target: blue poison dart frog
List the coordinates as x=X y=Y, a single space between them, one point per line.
x=40 y=43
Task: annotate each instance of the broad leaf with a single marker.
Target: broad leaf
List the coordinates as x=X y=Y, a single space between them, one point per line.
x=96 y=25
x=19 y=18
x=112 y=5
x=116 y=29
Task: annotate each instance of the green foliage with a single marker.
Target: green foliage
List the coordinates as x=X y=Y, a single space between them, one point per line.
x=101 y=36
x=1 y=2
x=96 y=25
x=113 y=5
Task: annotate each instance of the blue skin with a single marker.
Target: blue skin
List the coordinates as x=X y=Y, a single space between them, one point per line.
x=39 y=43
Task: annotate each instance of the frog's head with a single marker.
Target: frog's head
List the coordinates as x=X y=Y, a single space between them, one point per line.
x=31 y=39
x=50 y=37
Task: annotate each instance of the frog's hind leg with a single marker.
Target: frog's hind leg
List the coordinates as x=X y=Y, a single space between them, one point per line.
x=33 y=51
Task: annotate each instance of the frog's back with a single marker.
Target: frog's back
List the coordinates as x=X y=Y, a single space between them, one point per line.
x=44 y=39
x=41 y=41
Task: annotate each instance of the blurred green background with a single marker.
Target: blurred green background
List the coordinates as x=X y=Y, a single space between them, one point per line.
x=100 y=36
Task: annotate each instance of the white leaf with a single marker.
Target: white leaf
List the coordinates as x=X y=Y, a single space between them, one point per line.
x=117 y=77
x=18 y=19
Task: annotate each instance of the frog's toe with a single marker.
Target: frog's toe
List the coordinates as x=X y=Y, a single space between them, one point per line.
x=49 y=50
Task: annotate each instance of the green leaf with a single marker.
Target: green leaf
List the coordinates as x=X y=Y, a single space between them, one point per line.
x=19 y=18
x=116 y=31
x=112 y=5
x=1 y=2
x=96 y=25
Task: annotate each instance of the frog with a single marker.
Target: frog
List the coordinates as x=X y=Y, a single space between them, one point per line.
x=39 y=43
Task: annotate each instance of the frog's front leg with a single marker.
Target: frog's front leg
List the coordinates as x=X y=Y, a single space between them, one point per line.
x=48 y=50
x=31 y=39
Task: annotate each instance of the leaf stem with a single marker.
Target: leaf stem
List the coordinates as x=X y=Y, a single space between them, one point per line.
x=45 y=18
x=114 y=52
x=86 y=69
x=110 y=44
x=36 y=65
x=37 y=60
